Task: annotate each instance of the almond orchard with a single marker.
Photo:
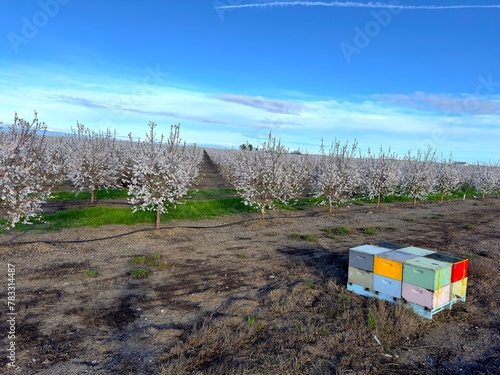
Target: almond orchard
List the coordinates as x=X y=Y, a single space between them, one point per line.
x=157 y=172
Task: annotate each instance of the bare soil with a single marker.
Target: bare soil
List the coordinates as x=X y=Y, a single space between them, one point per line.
x=237 y=295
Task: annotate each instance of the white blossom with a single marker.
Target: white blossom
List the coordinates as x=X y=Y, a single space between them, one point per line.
x=162 y=171
x=92 y=161
x=380 y=174
x=417 y=174
x=265 y=175
x=447 y=177
x=335 y=175
x=25 y=172
x=485 y=179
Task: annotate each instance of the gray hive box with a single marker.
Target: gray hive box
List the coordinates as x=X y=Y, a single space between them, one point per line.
x=361 y=257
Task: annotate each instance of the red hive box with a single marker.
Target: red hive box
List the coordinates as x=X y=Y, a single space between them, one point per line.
x=459 y=268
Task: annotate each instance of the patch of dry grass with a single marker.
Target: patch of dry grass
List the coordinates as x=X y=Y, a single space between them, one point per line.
x=295 y=327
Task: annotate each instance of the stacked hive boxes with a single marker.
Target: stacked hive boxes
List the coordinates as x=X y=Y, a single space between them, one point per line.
x=459 y=273
x=360 y=272
x=425 y=280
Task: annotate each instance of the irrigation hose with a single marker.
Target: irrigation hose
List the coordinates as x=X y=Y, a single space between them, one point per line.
x=239 y=222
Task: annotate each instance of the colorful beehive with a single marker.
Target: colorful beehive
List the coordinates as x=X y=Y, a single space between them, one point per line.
x=459 y=274
x=424 y=280
x=388 y=273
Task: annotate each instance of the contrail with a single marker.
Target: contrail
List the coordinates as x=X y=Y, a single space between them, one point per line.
x=352 y=4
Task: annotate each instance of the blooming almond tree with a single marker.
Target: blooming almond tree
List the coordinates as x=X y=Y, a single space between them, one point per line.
x=485 y=178
x=25 y=176
x=497 y=179
x=447 y=177
x=335 y=176
x=162 y=172
x=417 y=174
x=380 y=174
x=266 y=175
x=92 y=159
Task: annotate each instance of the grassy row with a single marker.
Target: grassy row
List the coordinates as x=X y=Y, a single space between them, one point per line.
x=459 y=193
x=62 y=196
x=59 y=196
x=104 y=215
x=220 y=193
x=196 y=209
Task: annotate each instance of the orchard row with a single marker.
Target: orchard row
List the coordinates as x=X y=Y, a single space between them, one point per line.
x=158 y=170
x=272 y=174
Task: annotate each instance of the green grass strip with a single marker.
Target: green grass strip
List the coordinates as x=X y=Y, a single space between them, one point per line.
x=123 y=193
x=85 y=195
x=211 y=193
x=104 y=215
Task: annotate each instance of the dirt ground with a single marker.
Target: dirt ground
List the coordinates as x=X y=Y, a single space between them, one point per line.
x=237 y=295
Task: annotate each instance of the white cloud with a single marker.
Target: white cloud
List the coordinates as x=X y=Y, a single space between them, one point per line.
x=270 y=105
x=389 y=120
x=466 y=104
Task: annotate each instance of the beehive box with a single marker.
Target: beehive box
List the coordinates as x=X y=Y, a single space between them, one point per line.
x=459 y=290
x=390 y=263
x=429 y=299
x=459 y=266
x=361 y=257
x=386 y=288
x=360 y=271
x=424 y=280
x=360 y=277
x=427 y=273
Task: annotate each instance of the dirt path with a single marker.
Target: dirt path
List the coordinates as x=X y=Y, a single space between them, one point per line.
x=210 y=177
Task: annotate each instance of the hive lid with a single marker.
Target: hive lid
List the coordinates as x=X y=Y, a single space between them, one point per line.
x=397 y=256
x=416 y=250
x=389 y=245
x=442 y=257
x=369 y=249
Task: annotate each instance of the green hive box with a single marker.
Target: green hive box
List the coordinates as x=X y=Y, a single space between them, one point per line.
x=427 y=273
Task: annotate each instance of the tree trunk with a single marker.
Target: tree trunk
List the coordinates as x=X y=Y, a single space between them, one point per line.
x=158 y=217
x=414 y=201
x=330 y=209
x=92 y=195
x=378 y=201
x=262 y=213
x=442 y=196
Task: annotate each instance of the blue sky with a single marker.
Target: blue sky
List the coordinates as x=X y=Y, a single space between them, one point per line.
x=399 y=73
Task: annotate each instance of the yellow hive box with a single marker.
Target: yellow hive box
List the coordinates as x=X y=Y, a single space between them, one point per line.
x=459 y=288
x=390 y=264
